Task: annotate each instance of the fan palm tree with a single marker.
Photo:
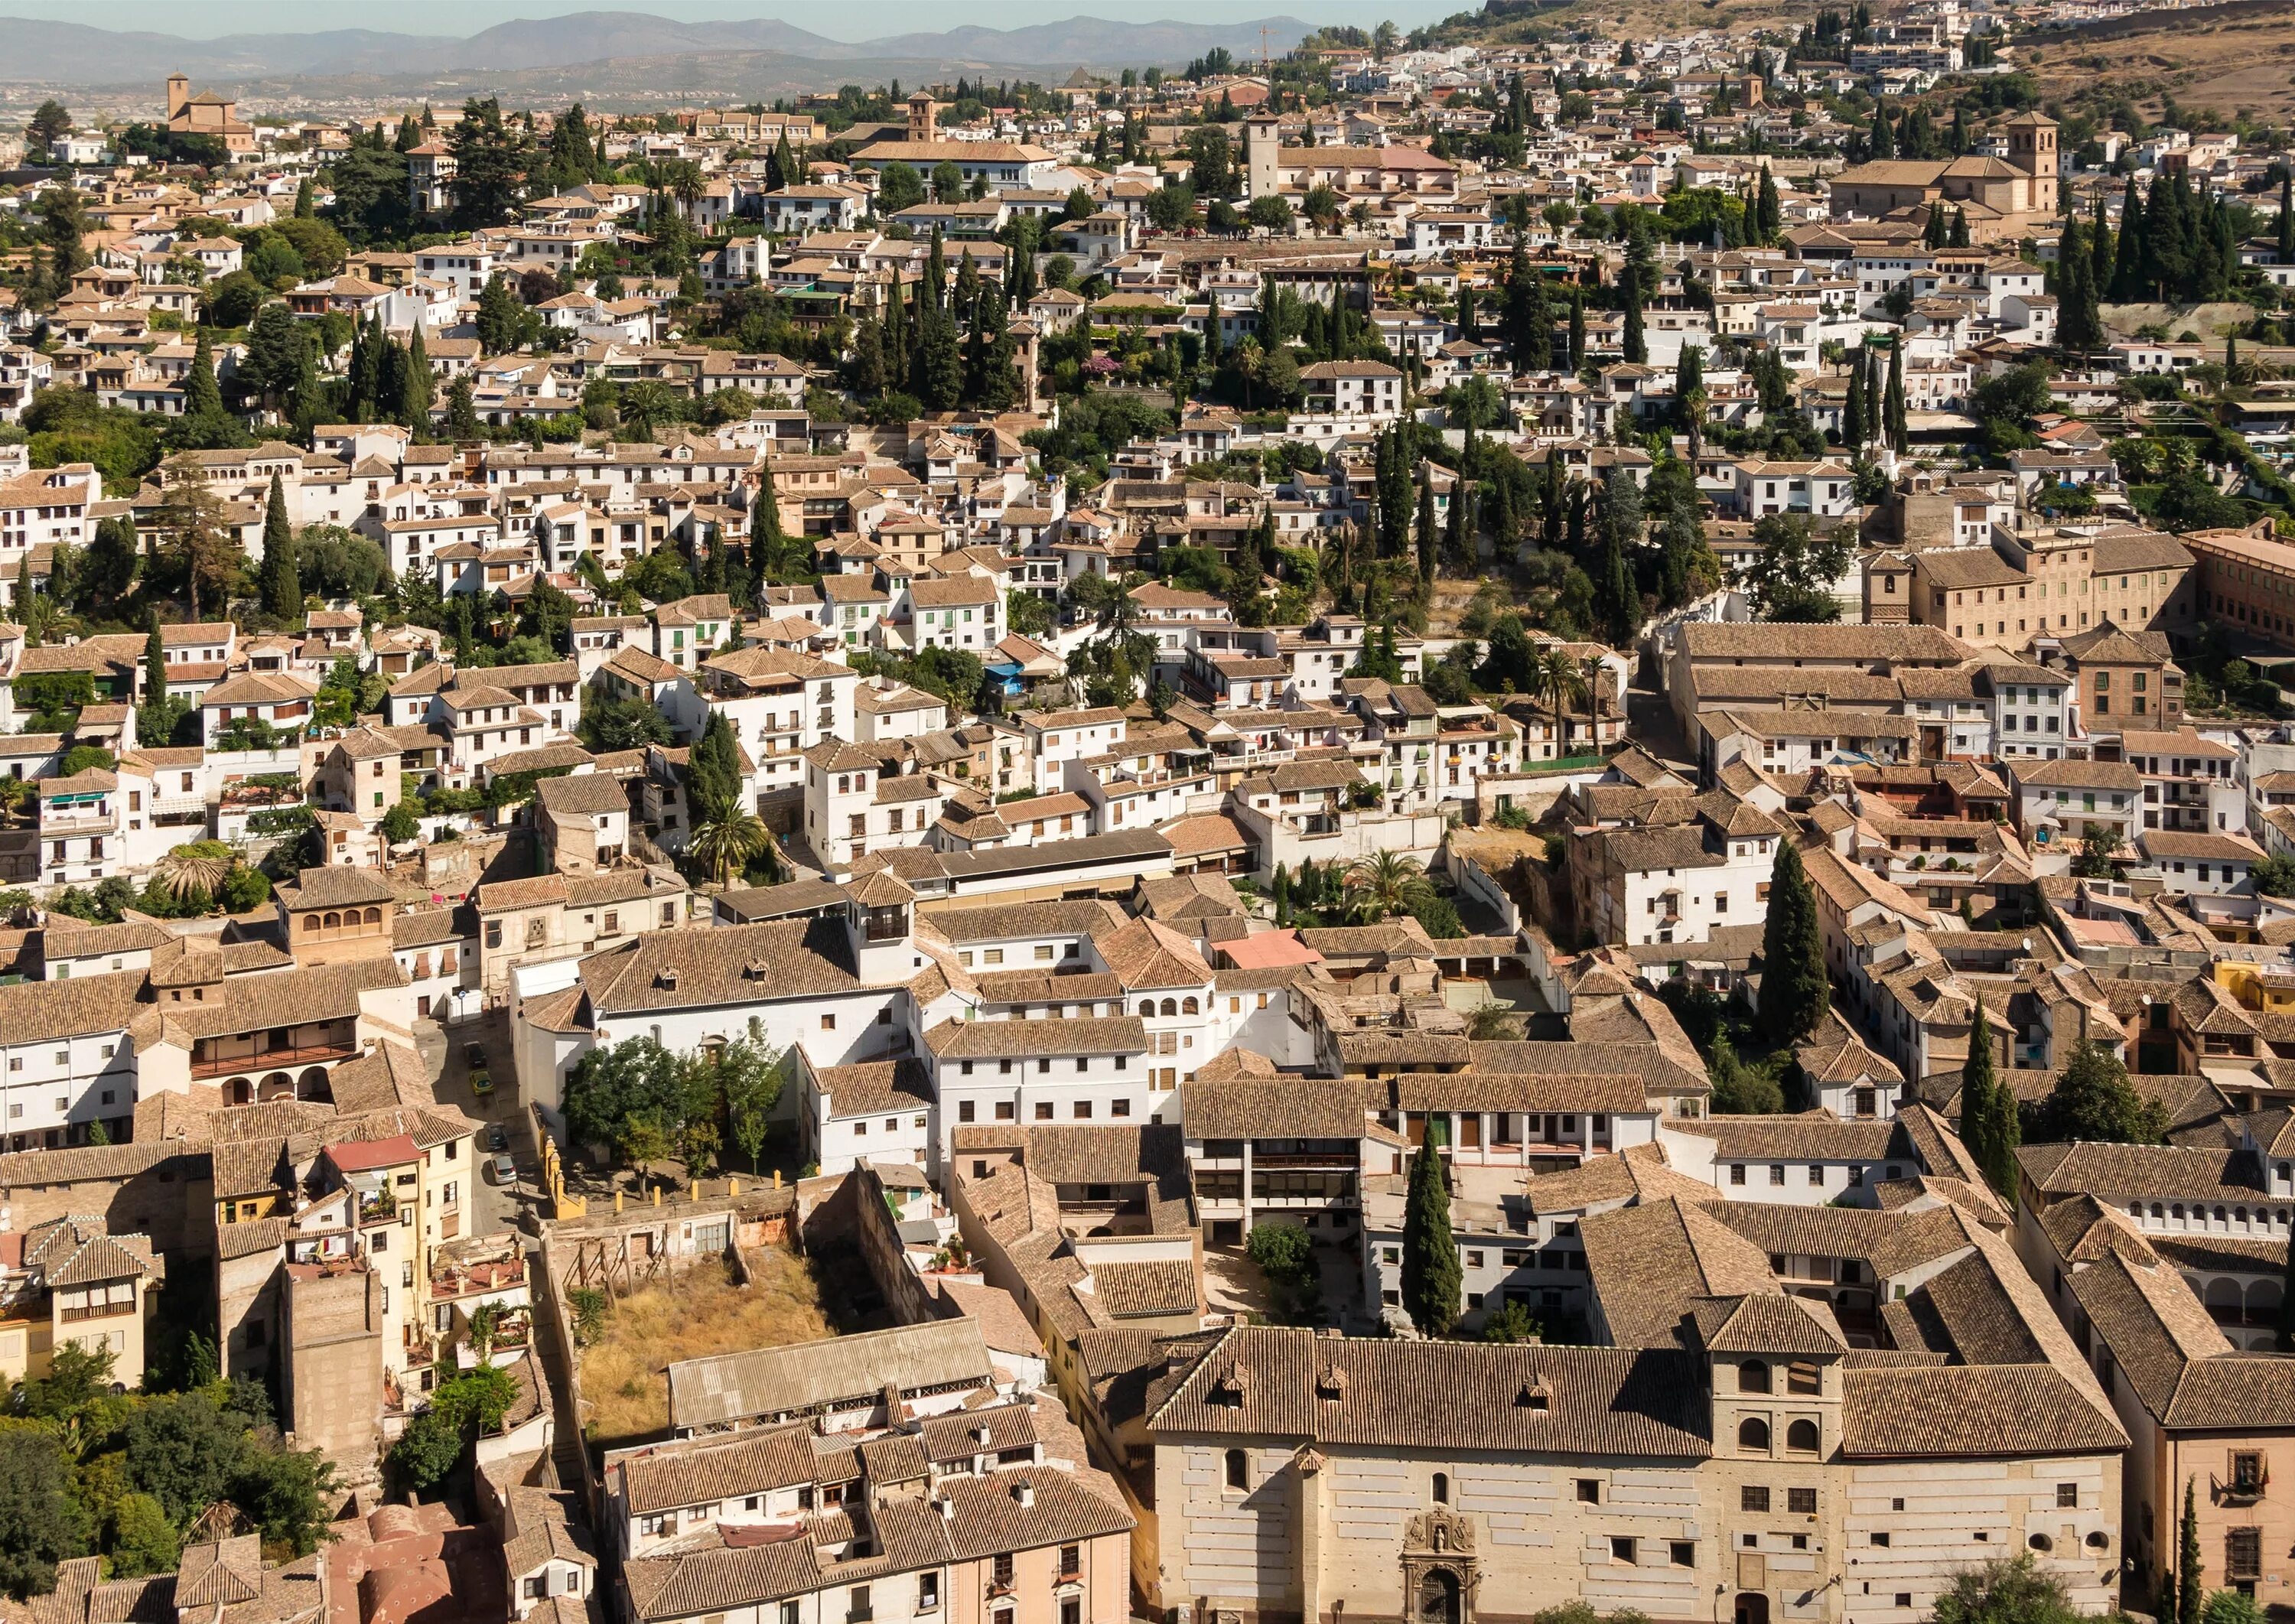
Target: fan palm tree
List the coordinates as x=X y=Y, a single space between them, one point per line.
x=1694 y=402
x=193 y=867
x=1385 y=883
x=731 y=838
x=1555 y=675
x=1590 y=680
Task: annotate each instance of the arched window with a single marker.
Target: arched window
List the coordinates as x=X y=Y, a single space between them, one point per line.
x=1753 y=1376
x=1238 y=1469
x=310 y=923
x=1753 y=1434
x=1441 y=1489
x=334 y=921
x=374 y=916
x=1188 y=1006
x=1170 y=1006
x=1801 y=1435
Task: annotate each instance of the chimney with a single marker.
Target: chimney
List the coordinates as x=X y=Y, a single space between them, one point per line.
x=1025 y=1492
x=947 y=1507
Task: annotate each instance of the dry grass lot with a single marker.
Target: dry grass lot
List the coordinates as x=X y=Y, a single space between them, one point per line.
x=701 y=1311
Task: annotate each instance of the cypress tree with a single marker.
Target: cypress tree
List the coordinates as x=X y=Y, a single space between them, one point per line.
x=155 y=660
x=1769 y=213
x=2128 y=263
x=1852 y=411
x=283 y=591
x=1959 y=238
x=417 y=387
x=1577 y=329
x=2287 y=216
x=2099 y=250
x=1981 y=1096
x=1794 y=993
x=2190 y=1590
x=1428 y=537
x=1635 y=344
x=202 y=396
x=2287 y=1302
x=303 y=198
x=1897 y=432
x=1884 y=138
x=1430 y=1275
x=1932 y=227
x=764 y=523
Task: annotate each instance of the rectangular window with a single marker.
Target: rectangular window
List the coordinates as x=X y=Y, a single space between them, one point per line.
x=1801 y=1502
x=2068 y=1494
x=1752 y=1498
x=1590 y=1491
x=1622 y=1549
x=1685 y=1552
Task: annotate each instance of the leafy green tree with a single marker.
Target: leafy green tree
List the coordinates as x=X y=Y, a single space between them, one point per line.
x=1790 y=579
x=1795 y=991
x=489 y=165
x=461 y=1409
x=898 y=187
x=2012 y=1590
x=2094 y=1100
x=41 y=1518
x=1430 y=1275
x=143 y=1540
x=613 y=1086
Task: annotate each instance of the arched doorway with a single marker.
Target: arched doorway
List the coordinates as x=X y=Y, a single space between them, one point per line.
x=1438 y=1598
x=276 y=1085
x=313 y=1084
x=1752 y=1607
x=240 y=1090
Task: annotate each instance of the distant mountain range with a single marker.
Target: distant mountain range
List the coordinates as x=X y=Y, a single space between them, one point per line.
x=36 y=52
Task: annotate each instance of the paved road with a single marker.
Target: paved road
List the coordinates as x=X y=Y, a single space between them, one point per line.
x=493 y=1207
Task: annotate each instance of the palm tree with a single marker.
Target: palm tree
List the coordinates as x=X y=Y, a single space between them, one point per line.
x=1693 y=405
x=188 y=868
x=1555 y=675
x=1590 y=680
x=643 y=404
x=732 y=838
x=1385 y=883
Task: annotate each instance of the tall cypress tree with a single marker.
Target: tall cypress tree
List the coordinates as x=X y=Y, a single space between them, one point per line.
x=2286 y=238
x=2099 y=249
x=2286 y=1321
x=2128 y=262
x=2191 y=1588
x=1577 y=329
x=1430 y=1275
x=1899 y=433
x=155 y=664
x=1852 y=410
x=1883 y=137
x=1978 y=1086
x=1794 y=993
x=202 y=396
x=417 y=386
x=1428 y=538
x=283 y=590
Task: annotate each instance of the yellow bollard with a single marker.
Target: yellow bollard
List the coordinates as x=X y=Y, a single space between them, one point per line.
x=657 y=1194
x=733 y=1189
x=618 y=1201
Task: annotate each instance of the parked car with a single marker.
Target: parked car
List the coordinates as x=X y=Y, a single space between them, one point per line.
x=474 y=1057
x=505 y=1171
x=497 y=1138
x=481 y=1084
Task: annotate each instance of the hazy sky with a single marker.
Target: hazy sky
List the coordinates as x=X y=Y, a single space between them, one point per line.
x=458 y=18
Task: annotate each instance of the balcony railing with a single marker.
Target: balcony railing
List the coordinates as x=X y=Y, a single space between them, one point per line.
x=102 y=1311
x=272 y=1059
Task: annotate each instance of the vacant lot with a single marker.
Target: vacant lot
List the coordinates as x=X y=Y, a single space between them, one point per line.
x=624 y=1387
x=2243 y=63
